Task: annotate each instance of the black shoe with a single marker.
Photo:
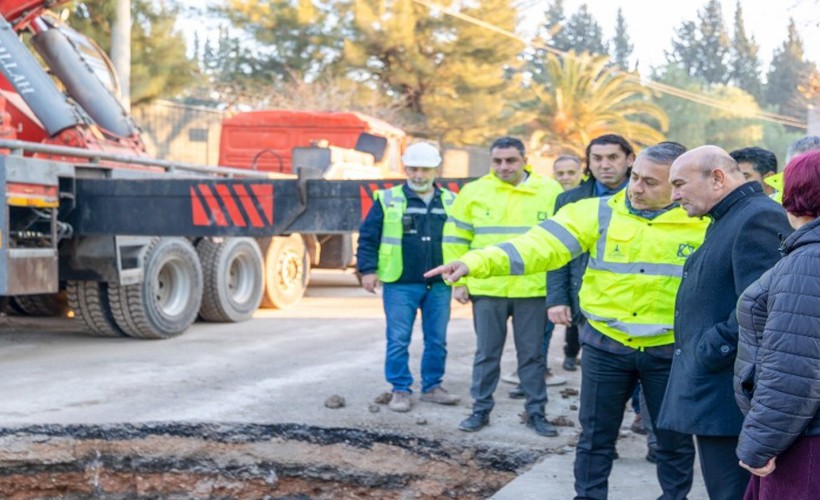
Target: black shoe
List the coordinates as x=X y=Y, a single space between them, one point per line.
x=516 y=393
x=475 y=422
x=541 y=427
x=652 y=456
x=570 y=364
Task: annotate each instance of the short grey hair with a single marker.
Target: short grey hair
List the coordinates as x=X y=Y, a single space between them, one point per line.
x=567 y=158
x=801 y=146
x=664 y=153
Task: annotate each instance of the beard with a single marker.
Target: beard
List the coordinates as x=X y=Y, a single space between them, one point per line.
x=421 y=187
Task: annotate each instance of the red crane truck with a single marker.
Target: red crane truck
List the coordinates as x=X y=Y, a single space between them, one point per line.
x=141 y=247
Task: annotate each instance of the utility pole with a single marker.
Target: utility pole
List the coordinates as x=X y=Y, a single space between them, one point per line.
x=121 y=48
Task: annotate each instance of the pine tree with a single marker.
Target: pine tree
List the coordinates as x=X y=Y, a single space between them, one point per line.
x=788 y=71
x=621 y=44
x=713 y=45
x=684 y=53
x=583 y=33
x=702 y=49
x=744 y=62
x=553 y=27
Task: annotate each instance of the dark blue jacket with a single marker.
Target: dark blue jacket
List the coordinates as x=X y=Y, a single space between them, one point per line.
x=777 y=371
x=420 y=242
x=741 y=244
x=564 y=284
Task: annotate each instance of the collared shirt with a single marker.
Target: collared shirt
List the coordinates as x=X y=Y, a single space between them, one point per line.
x=602 y=190
x=648 y=214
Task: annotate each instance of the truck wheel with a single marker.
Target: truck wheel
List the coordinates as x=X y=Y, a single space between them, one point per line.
x=286 y=271
x=89 y=301
x=42 y=305
x=166 y=303
x=232 y=272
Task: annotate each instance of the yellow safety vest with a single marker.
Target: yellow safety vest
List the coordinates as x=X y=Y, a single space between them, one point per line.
x=776 y=181
x=489 y=211
x=635 y=264
x=394 y=206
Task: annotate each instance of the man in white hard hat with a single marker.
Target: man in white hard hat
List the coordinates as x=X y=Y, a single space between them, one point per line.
x=398 y=241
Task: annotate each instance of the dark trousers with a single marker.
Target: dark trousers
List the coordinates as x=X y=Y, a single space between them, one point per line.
x=607 y=382
x=529 y=319
x=724 y=478
x=572 y=346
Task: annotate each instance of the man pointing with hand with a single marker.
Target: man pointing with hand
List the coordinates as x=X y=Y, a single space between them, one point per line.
x=638 y=241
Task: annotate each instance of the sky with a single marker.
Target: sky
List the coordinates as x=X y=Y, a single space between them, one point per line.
x=651 y=23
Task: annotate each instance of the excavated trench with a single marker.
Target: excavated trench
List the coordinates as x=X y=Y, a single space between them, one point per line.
x=288 y=461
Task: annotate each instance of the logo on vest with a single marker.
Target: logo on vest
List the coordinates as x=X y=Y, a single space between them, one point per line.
x=616 y=252
x=542 y=216
x=685 y=250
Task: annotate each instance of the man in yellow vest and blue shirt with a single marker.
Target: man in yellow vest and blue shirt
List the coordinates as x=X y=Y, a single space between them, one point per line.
x=399 y=239
x=638 y=241
x=509 y=200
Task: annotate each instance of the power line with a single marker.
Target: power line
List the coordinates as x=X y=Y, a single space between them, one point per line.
x=663 y=88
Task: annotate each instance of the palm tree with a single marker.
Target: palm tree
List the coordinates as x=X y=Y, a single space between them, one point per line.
x=583 y=97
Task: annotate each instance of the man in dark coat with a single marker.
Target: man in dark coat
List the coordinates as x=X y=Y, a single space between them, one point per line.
x=741 y=244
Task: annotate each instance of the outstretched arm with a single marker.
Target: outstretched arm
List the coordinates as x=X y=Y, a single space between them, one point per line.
x=451 y=272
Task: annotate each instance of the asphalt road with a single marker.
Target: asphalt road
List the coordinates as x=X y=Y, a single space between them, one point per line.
x=279 y=367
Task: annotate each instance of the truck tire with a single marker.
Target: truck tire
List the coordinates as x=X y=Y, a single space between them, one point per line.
x=167 y=302
x=42 y=305
x=89 y=301
x=287 y=268
x=233 y=278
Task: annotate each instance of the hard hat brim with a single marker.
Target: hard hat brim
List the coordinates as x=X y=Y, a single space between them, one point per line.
x=421 y=166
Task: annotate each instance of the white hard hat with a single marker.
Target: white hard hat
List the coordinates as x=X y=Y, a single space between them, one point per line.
x=421 y=154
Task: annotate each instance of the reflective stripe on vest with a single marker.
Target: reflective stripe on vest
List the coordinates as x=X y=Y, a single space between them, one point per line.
x=394 y=206
x=564 y=236
x=631 y=329
x=613 y=293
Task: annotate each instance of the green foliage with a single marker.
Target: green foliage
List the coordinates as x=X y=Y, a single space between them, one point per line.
x=695 y=124
x=583 y=33
x=684 y=53
x=582 y=99
x=280 y=41
x=553 y=28
x=159 y=65
x=788 y=71
x=744 y=63
x=621 y=45
x=702 y=48
x=713 y=49
x=447 y=75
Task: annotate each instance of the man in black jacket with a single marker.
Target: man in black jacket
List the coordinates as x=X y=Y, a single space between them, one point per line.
x=741 y=244
x=608 y=158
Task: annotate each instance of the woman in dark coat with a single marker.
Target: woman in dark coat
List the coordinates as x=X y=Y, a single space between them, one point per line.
x=777 y=370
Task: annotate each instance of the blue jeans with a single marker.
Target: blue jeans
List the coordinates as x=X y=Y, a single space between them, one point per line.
x=607 y=383
x=401 y=301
